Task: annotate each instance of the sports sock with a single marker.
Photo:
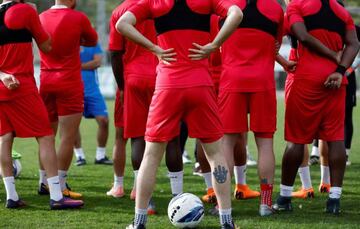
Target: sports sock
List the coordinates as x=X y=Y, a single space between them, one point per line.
x=266 y=194
x=140 y=216
x=240 y=174
x=79 y=153
x=42 y=177
x=347 y=152
x=62 y=177
x=315 y=151
x=325 y=174
x=118 y=181
x=11 y=193
x=135 y=178
x=304 y=173
x=225 y=216
x=207 y=178
x=176 y=182
x=100 y=153
x=286 y=191
x=335 y=192
x=55 y=188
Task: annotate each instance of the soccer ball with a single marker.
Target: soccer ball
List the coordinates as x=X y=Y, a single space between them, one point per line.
x=16 y=167
x=185 y=210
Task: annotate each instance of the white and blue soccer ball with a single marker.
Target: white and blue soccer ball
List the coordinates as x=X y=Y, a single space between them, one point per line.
x=16 y=167
x=185 y=210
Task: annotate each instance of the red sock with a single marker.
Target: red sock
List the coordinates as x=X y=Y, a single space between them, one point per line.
x=266 y=194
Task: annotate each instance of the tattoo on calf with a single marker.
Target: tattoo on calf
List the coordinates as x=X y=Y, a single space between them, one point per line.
x=220 y=174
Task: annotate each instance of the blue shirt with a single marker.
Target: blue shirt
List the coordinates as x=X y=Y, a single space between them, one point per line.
x=90 y=77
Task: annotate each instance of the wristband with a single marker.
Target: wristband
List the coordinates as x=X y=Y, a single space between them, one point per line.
x=340 y=69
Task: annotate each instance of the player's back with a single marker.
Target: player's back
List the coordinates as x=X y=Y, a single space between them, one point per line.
x=137 y=60
x=327 y=21
x=249 y=54
x=66 y=28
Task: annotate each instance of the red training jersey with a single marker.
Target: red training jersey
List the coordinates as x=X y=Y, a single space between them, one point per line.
x=17 y=57
x=137 y=60
x=68 y=29
x=249 y=54
x=179 y=24
x=330 y=30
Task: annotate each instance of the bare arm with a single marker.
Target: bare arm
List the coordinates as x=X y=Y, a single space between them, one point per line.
x=118 y=67
x=288 y=66
x=301 y=33
x=233 y=19
x=93 y=64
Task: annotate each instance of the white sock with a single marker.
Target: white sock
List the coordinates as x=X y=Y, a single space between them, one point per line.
x=335 y=192
x=11 y=193
x=325 y=174
x=55 y=188
x=135 y=178
x=62 y=177
x=140 y=216
x=42 y=177
x=118 y=181
x=208 y=181
x=225 y=216
x=100 y=153
x=79 y=153
x=240 y=174
x=286 y=191
x=315 y=151
x=176 y=182
x=304 y=173
x=347 y=152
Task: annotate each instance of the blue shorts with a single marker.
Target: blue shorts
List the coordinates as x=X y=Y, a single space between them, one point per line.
x=94 y=105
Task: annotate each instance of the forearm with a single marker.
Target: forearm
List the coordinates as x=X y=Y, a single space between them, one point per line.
x=282 y=61
x=232 y=21
x=91 y=65
x=117 y=68
x=125 y=26
x=349 y=54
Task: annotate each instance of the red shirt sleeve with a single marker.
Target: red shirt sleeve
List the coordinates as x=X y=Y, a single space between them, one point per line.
x=350 y=22
x=23 y=16
x=116 y=40
x=294 y=13
x=141 y=11
x=280 y=32
x=221 y=7
x=88 y=34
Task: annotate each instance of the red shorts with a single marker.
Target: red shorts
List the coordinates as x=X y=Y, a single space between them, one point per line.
x=314 y=112
x=26 y=117
x=288 y=84
x=63 y=101
x=137 y=99
x=195 y=106
x=235 y=106
x=119 y=111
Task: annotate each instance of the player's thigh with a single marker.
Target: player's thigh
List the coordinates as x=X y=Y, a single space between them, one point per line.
x=233 y=110
x=202 y=114
x=332 y=126
x=263 y=112
x=165 y=113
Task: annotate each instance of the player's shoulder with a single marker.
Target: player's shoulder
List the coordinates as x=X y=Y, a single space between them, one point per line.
x=23 y=8
x=340 y=10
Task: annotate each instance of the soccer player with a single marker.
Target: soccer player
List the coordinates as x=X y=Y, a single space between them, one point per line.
x=247 y=86
x=315 y=105
x=61 y=87
x=135 y=69
x=184 y=89
x=94 y=105
x=22 y=112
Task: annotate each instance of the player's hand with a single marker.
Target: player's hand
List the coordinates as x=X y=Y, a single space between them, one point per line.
x=334 y=81
x=201 y=52
x=9 y=81
x=291 y=66
x=165 y=56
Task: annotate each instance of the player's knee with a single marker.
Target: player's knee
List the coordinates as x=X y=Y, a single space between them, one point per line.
x=103 y=122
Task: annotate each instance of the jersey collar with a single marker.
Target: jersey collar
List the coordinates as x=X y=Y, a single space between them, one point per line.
x=59 y=7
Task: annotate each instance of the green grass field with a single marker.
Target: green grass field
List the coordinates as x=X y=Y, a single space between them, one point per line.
x=101 y=211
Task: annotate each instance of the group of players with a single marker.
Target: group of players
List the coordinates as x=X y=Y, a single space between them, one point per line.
x=169 y=69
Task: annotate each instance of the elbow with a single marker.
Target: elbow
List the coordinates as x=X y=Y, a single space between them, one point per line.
x=303 y=38
x=237 y=14
x=120 y=25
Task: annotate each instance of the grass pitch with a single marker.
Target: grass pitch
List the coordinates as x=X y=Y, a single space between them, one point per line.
x=101 y=211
